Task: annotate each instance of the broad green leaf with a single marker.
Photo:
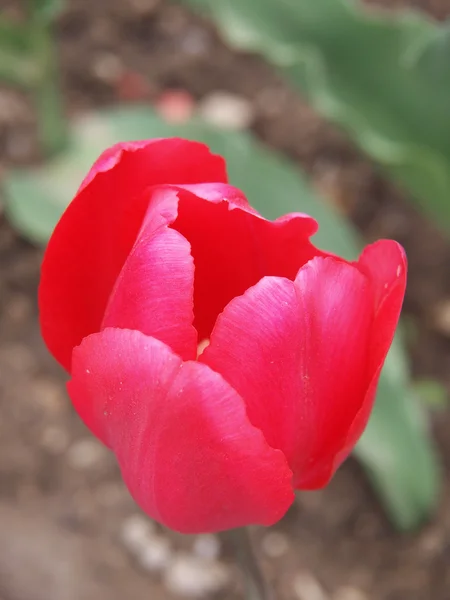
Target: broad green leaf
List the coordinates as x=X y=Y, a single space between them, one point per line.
x=14 y=36
x=46 y=9
x=395 y=449
x=432 y=394
x=384 y=78
x=36 y=198
x=18 y=66
x=18 y=69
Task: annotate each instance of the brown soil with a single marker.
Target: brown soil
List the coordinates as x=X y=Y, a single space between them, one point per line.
x=63 y=508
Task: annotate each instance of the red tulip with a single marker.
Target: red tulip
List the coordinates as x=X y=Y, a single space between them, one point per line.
x=158 y=254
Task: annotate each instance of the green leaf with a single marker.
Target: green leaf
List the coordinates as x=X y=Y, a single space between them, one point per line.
x=385 y=79
x=46 y=9
x=36 y=198
x=395 y=449
x=18 y=70
x=18 y=66
x=432 y=394
x=14 y=36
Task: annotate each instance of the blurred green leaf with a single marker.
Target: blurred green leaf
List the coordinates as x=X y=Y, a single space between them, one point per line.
x=395 y=448
x=14 y=36
x=18 y=70
x=46 y=9
x=432 y=394
x=18 y=66
x=384 y=78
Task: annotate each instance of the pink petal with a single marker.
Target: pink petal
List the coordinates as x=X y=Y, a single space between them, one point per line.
x=386 y=265
x=187 y=451
x=233 y=247
x=297 y=352
x=154 y=291
x=96 y=233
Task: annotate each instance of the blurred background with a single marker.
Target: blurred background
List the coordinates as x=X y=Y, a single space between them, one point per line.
x=336 y=108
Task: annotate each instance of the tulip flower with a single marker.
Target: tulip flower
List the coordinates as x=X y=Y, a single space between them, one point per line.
x=222 y=357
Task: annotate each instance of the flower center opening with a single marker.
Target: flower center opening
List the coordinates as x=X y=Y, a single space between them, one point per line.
x=233 y=249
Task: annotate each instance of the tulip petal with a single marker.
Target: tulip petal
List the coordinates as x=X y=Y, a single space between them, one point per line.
x=234 y=247
x=96 y=233
x=154 y=290
x=186 y=448
x=386 y=265
x=297 y=352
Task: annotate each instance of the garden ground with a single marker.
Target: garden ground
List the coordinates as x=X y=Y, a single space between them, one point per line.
x=68 y=529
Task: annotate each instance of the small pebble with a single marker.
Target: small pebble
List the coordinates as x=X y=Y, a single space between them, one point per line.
x=156 y=554
x=190 y=577
x=275 y=544
x=143 y=8
x=107 y=67
x=195 y=42
x=349 y=593
x=441 y=317
x=306 y=587
x=432 y=541
x=175 y=106
x=207 y=546
x=86 y=454
x=227 y=111
x=151 y=550
x=55 y=440
x=49 y=395
x=135 y=532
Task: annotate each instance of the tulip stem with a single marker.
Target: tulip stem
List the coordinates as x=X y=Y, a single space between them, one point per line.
x=255 y=584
